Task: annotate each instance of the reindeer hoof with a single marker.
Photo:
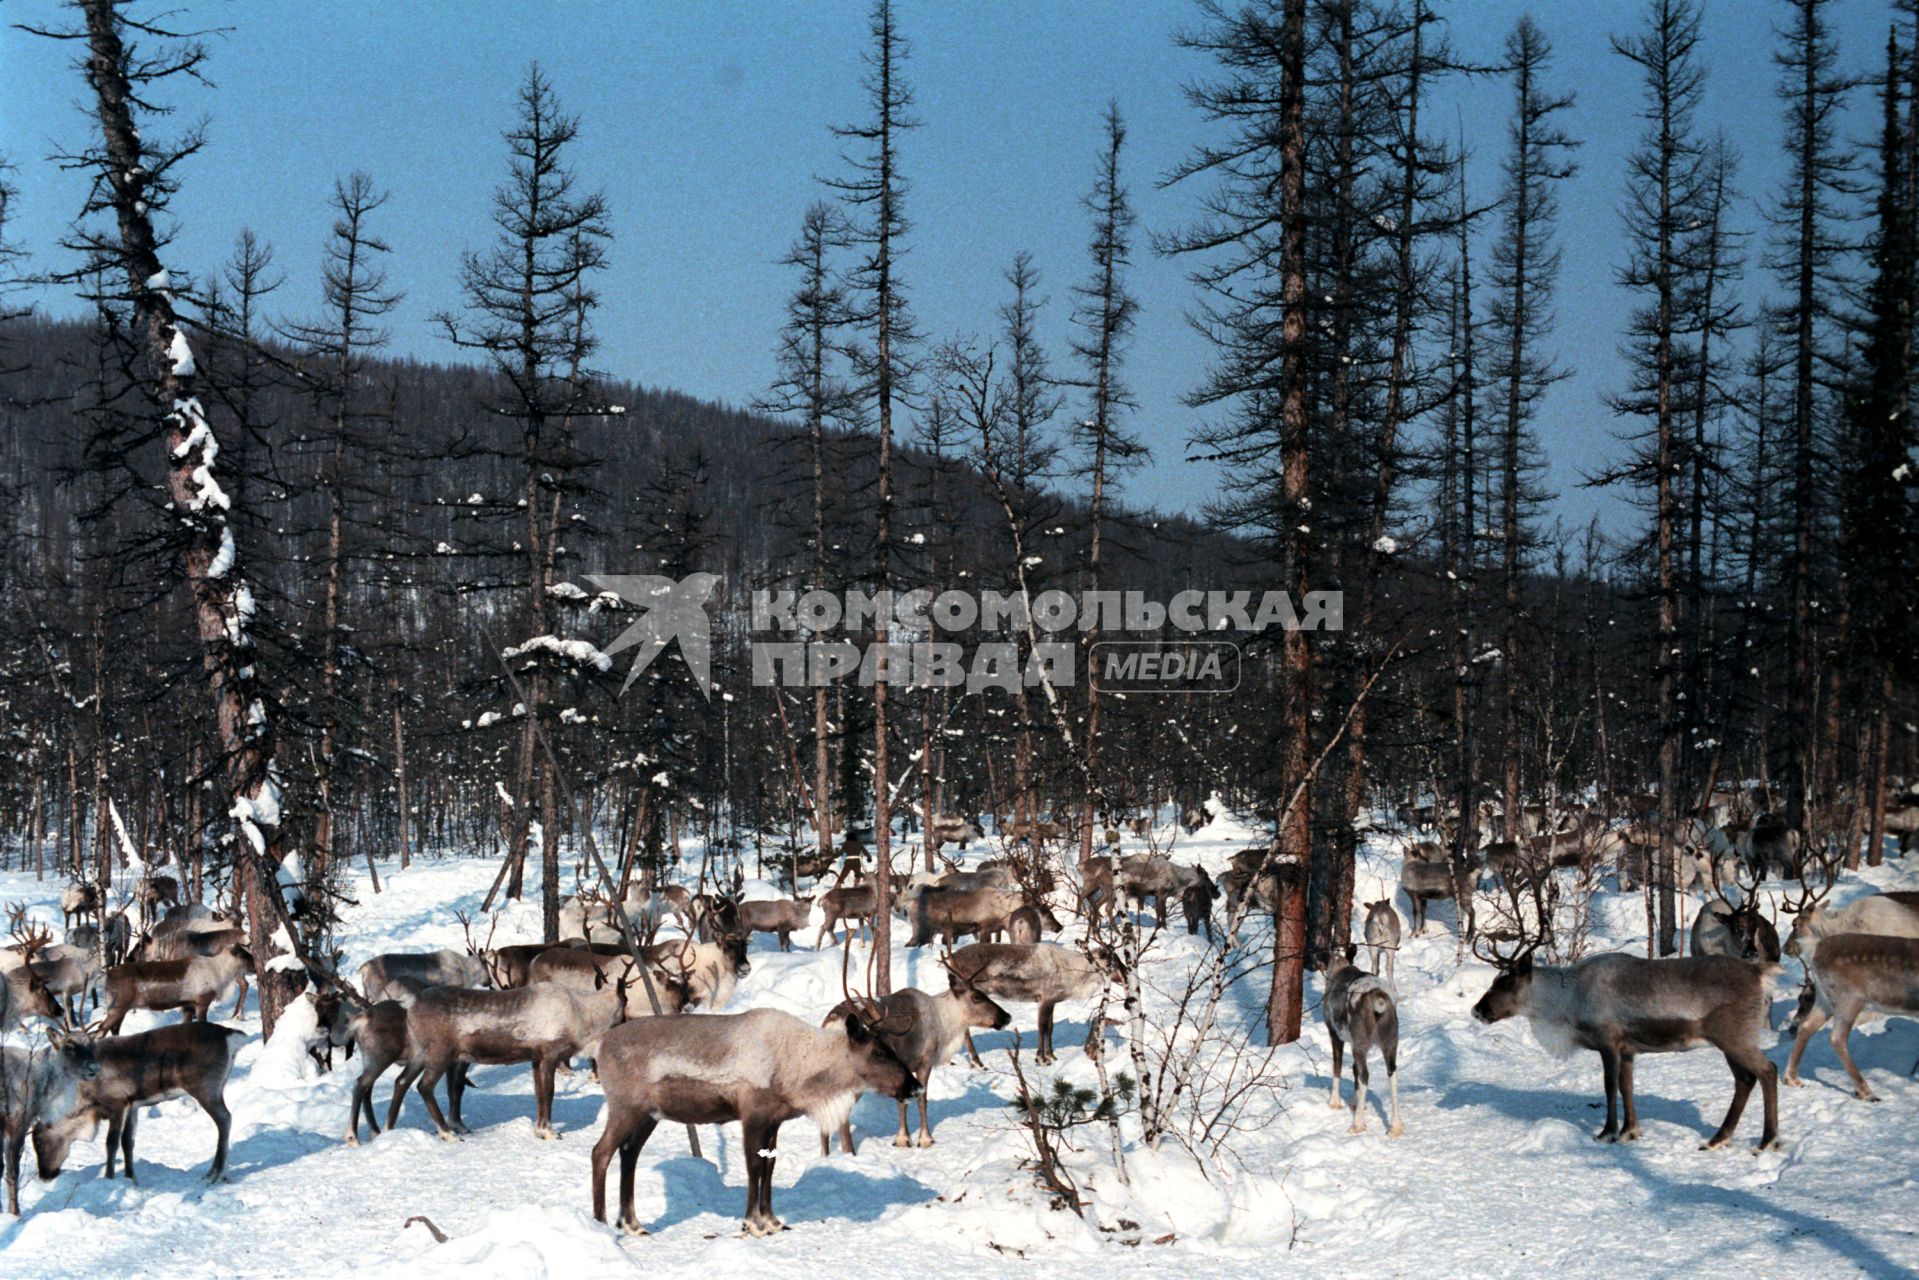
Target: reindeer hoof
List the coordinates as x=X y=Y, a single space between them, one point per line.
x=926 y=1140
x=1865 y=1095
x=447 y=1135
x=1397 y=1131
x=546 y=1135
x=1356 y=1127
x=1629 y=1135
x=902 y=1140
x=353 y=1139
x=633 y=1229
x=1334 y=1104
x=1608 y=1134
x=1792 y=1082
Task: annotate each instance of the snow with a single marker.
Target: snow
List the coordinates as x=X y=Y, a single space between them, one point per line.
x=180 y=356
x=222 y=562
x=578 y=652
x=1497 y=1173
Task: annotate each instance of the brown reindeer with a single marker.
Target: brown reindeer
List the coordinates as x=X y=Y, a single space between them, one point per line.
x=192 y=984
x=1854 y=974
x=1041 y=973
x=1621 y=1006
x=185 y=944
x=925 y=1031
x=191 y=1058
x=544 y=1024
x=378 y=1031
x=761 y=1068
x=1359 y=1010
x=781 y=916
x=38 y=1085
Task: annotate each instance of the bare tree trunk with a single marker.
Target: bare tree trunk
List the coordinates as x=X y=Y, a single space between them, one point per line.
x=1286 y=1001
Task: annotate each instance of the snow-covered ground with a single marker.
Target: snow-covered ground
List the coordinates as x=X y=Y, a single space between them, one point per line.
x=1497 y=1173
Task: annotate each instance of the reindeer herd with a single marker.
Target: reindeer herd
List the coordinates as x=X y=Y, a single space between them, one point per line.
x=650 y=1017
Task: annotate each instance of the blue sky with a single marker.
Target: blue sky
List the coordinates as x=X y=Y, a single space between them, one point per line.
x=707 y=125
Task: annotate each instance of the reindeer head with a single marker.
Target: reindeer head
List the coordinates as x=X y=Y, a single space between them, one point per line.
x=879 y=1068
x=1511 y=992
x=980 y=1010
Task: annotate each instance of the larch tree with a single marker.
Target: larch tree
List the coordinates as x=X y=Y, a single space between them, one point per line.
x=134 y=179
x=1667 y=188
x=1258 y=316
x=875 y=194
x=1105 y=313
x=1525 y=265
x=529 y=303
x=1808 y=255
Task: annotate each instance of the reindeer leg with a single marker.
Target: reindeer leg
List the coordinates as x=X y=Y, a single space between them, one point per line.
x=1609 y=1064
x=114 y=1123
x=1631 y=1132
x=126 y=1141
x=223 y=1120
x=1807 y=1027
x=13 y=1137
x=1743 y=1077
x=543 y=1097
x=1392 y=1083
x=455 y=1096
x=430 y=1076
x=768 y=1223
x=1334 y=1102
x=408 y=1074
x=903 y=1138
x=753 y=1138
x=972 y=1054
x=1045 y=1055
x=1841 y=1031
x=240 y=1003
x=629 y=1161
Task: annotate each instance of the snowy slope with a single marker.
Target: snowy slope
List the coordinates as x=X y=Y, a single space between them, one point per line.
x=1497 y=1173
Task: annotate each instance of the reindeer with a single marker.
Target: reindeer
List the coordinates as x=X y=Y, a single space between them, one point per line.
x=1382 y=934
x=37 y=1087
x=1196 y=903
x=1029 y=922
x=781 y=916
x=762 y=1068
x=191 y=1058
x=192 y=985
x=71 y=975
x=78 y=901
x=397 y=975
x=379 y=1032
x=954 y=912
x=855 y=904
x=924 y=1031
x=1721 y=929
x=153 y=891
x=946 y=829
x=1424 y=883
x=1621 y=1006
x=1854 y=974
x=1160 y=878
x=23 y=993
x=1359 y=1010
x=185 y=944
x=706 y=972
x=1041 y=973
x=545 y=1024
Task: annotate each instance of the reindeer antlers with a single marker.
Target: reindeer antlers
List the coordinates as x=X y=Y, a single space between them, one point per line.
x=30 y=938
x=1490 y=947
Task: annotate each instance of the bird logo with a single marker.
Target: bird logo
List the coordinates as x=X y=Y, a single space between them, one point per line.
x=669 y=610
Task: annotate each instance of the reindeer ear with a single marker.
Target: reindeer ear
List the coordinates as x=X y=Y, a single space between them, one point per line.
x=1523 y=966
x=856 y=1029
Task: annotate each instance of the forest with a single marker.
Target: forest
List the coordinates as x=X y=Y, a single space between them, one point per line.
x=292 y=624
